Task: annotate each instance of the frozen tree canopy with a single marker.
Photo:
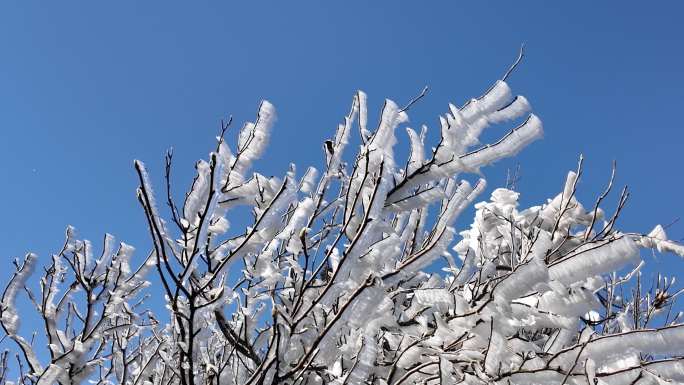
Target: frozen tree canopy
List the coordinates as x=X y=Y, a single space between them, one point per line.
x=334 y=281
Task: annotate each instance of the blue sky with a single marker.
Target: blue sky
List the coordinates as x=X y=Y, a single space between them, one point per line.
x=86 y=87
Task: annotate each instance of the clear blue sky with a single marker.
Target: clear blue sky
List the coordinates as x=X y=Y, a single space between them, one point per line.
x=86 y=87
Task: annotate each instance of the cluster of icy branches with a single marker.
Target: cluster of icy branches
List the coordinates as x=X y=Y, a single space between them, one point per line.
x=331 y=283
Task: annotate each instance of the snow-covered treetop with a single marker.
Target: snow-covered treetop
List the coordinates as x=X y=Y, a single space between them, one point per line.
x=334 y=280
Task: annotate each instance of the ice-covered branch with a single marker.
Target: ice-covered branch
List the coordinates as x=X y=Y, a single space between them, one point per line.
x=335 y=279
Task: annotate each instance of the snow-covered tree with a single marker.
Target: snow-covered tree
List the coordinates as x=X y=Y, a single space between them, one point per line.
x=334 y=281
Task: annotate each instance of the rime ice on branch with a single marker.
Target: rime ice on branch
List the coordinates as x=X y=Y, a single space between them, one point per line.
x=329 y=285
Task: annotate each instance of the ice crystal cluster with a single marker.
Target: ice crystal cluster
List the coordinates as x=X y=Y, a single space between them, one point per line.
x=334 y=281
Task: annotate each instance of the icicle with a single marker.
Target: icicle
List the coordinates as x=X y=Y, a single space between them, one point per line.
x=590 y=260
x=363 y=115
x=657 y=239
x=252 y=141
x=10 y=318
x=509 y=145
x=417 y=155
